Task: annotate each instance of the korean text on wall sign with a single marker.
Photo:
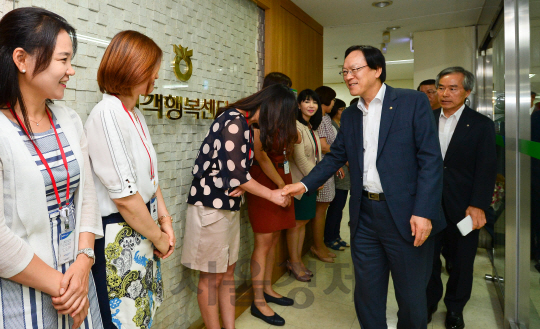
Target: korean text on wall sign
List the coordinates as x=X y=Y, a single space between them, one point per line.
x=177 y=106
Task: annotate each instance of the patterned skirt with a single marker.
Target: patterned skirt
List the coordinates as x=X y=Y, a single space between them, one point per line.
x=131 y=276
x=328 y=192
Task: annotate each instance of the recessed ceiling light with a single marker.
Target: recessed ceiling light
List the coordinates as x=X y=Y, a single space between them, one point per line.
x=393 y=28
x=381 y=4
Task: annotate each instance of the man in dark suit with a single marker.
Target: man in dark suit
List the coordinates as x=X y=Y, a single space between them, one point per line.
x=467 y=141
x=428 y=88
x=390 y=141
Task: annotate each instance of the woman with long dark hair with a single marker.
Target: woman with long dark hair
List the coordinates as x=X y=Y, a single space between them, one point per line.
x=48 y=209
x=221 y=174
x=271 y=169
x=307 y=153
x=137 y=224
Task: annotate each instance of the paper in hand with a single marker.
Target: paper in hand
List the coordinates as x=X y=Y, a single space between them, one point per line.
x=465 y=226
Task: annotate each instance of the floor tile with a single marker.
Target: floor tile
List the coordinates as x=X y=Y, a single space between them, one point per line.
x=327 y=301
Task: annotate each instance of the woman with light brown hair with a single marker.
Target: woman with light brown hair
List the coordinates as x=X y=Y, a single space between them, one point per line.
x=138 y=227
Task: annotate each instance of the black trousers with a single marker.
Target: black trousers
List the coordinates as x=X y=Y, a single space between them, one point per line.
x=334 y=215
x=461 y=251
x=378 y=249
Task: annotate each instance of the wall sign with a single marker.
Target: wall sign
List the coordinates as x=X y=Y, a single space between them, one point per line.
x=177 y=106
x=182 y=54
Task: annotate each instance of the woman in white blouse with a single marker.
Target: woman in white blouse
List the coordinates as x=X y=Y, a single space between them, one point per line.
x=48 y=208
x=135 y=218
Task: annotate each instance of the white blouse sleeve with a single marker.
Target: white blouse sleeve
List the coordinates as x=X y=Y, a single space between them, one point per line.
x=15 y=253
x=90 y=215
x=109 y=153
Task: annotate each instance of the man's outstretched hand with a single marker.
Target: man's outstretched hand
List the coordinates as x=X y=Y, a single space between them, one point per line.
x=294 y=189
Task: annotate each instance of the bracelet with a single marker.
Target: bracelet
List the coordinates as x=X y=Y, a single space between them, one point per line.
x=160 y=219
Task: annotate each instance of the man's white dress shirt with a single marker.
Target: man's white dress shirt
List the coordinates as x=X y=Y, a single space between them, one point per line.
x=447 y=127
x=372 y=123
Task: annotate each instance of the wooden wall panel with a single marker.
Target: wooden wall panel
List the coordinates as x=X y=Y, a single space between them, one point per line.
x=293 y=43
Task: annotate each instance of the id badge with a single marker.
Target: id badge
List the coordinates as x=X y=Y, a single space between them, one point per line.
x=67 y=237
x=67 y=246
x=286 y=167
x=153 y=208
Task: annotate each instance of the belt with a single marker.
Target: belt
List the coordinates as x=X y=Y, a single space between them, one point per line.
x=374 y=196
x=276 y=164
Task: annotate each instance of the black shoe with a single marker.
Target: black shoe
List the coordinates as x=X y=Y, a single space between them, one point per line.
x=537 y=267
x=430 y=312
x=454 y=320
x=274 y=320
x=283 y=301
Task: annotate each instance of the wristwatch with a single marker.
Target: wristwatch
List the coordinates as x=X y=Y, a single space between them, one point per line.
x=88 y=252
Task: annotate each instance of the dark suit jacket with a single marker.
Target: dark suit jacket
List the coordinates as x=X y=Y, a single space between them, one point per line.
x=470 y=165
x=409 y=160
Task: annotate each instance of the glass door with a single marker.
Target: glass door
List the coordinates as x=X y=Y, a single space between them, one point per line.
x=495 y=215
x=530 y=148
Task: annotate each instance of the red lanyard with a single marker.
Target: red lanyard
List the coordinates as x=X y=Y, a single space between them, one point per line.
x=316 y=145
x=140 y=124
x=42 y=158
x=249 y=139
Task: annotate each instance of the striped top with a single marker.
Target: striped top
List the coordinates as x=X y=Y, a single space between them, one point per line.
x=25 y=307
x=48 y=146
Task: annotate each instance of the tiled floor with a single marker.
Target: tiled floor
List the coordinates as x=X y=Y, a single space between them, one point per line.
x=327 y=301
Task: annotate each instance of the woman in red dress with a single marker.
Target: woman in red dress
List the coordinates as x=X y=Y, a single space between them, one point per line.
x=270 y=169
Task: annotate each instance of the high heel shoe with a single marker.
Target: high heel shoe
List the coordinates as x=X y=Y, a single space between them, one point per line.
x=283 y=301
x=301 y=278
x=308 y=271
x=324 y=259
x=274 y=320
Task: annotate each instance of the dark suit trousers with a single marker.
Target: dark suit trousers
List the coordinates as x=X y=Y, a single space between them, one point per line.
x=379 y=249
x=334 y=216
x=461 y=251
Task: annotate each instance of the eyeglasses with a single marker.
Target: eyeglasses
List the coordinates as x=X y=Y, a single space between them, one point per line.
x=354 y=71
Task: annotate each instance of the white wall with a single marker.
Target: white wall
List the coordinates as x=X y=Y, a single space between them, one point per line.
x=343 y=92
x=223 y=35
x=5 y=6
x=439 y=49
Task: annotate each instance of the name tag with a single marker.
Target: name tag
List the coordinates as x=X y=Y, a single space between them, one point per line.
x=153 y=208
x=286 y=167
x=66 y=246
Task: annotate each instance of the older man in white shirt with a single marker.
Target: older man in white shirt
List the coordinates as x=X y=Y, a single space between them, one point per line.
x=467 y=141
x=395 y=163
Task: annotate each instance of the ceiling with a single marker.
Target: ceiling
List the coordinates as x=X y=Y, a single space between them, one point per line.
x=350 y=22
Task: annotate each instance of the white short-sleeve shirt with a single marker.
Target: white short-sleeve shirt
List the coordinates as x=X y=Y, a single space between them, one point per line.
x=120 y=160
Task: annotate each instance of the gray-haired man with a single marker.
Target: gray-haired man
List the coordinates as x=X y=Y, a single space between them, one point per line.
x=467 y=140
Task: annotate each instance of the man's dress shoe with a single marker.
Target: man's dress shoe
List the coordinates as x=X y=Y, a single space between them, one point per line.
x=454 y=320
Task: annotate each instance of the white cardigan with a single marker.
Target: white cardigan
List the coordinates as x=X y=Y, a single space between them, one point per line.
x=24 y=219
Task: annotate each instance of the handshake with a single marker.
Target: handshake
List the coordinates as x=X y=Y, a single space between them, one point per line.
x=282 y=197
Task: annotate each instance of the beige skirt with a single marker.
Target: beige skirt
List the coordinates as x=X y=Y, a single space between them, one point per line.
x=211 y=239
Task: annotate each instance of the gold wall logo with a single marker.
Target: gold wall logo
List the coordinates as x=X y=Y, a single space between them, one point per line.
x=182 y=54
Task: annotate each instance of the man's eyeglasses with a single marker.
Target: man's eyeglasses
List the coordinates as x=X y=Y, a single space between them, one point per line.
x=354 y=71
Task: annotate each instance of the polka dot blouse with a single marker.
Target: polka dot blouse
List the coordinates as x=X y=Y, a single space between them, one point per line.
x=223 y=162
